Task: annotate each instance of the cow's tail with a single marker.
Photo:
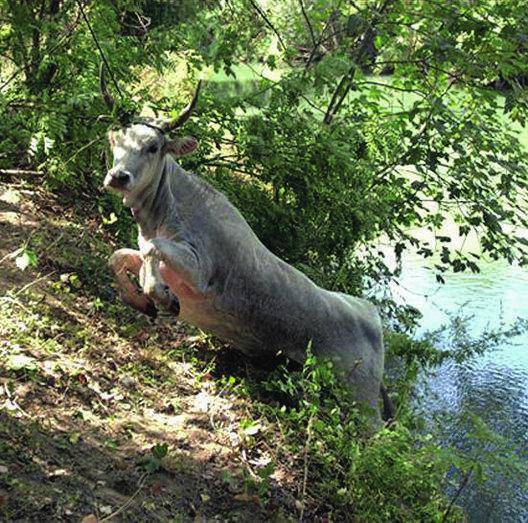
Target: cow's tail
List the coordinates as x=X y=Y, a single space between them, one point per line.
x=388 y=405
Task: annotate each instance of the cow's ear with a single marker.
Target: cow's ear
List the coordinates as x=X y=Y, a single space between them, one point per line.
x=111 y=138
x=182 y=146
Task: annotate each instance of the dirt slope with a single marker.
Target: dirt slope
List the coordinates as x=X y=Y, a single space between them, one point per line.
x=104 y=414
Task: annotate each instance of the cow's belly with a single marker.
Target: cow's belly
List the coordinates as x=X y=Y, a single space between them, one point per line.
x=287 y=322
x=198 y=308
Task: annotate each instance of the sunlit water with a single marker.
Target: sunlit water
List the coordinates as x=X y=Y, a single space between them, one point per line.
x=494 y=386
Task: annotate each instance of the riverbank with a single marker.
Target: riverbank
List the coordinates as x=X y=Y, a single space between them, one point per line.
x=105 y=415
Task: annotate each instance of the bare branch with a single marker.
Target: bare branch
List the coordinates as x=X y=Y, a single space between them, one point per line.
x=321 y=38
x=308 y=23
x=461 y=487
x=19 y=172
x=346 y=83
x=268 y=22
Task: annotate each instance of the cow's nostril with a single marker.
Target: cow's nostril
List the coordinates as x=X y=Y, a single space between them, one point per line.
x=119 y=179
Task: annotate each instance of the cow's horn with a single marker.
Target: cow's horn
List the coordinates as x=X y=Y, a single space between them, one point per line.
x=184 y=115
x=107 y=97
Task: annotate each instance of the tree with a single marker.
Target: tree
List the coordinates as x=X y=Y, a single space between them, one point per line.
x=325 y=157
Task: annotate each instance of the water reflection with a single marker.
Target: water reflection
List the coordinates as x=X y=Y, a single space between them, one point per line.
x=494 y=386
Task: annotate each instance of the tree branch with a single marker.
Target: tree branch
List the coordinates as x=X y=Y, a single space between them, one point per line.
x=321 y=37
x=358 y=55
x=308 y=23
x=268 y=22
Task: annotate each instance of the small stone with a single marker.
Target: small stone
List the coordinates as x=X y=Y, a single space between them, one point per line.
x=3 y=469
x=128 y=382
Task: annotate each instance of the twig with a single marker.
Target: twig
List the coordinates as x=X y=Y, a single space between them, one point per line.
x=14 y=172
x=305 y=459
x=100 y=49
x=86 y=146
x=14 y=302
x=321 y=38
x=347 y=81
x=461 y=487
x=273 y=82
x=308 y=23
x=31 y=283
x=128 y=502
x=268 y=22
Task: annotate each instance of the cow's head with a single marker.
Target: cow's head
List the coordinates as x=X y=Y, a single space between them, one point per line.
x=140 y=148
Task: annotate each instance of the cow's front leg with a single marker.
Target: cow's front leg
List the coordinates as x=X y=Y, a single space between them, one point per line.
x=123 y=262
x=182 y=259
x=152 y=283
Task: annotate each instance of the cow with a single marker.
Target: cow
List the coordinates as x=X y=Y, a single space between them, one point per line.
x=199 y=259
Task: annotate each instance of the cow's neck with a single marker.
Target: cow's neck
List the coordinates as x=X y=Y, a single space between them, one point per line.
x=154 y=209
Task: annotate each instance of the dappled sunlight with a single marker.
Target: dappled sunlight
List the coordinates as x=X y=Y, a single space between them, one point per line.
x=88 y=388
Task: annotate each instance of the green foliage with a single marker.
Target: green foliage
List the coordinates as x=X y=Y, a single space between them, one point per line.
x=331 y=125
x=348 y=474
x=314 y=147
x=154 y=461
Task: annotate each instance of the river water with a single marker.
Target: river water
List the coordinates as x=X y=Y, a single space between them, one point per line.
x=494 y=386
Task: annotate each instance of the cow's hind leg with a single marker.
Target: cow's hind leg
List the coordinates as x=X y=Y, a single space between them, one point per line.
x=125 y=262
x=361 y=368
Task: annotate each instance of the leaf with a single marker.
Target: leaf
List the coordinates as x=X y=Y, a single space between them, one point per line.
x=27 y=259
x=21 y=361
x=160 y=450
x=74 y=437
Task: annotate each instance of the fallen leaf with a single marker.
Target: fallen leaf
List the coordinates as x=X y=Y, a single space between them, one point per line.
x=89 y=519
x=246 y=497
x=156 y=488
x=74 y=437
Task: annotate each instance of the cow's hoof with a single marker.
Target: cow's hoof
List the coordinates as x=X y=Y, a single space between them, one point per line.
x=170 y=301
x=151 y=311
x=174 y=306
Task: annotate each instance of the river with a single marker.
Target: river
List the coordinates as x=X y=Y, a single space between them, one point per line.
x=494 y=386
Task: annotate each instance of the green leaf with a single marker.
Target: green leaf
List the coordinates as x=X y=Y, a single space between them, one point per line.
x=27 y=259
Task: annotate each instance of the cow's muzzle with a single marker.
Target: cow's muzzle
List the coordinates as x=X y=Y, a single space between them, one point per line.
x=117 y=179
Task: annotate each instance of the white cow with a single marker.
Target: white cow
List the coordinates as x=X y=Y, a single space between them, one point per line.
x=199 y=258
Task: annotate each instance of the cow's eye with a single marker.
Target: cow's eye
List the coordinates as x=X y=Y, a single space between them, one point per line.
x=153 y=149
